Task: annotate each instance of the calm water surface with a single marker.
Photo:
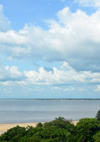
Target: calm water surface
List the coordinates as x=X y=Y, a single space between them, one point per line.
x=15 y=111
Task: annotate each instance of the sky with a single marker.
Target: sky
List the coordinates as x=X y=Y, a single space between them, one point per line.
x=49 y=49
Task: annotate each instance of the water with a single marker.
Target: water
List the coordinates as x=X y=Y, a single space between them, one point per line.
x=21 y=111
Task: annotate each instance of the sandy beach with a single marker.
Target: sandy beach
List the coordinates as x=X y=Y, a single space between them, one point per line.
x=5 y=127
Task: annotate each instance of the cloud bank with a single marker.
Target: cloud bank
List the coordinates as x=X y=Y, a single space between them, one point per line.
x=65 y=75
x=73 y=40
x=74 y=37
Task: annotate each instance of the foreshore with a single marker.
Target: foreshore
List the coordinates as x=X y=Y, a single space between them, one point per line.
x=5 y=127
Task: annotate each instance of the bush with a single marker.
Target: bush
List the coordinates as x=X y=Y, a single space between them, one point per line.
x=96 y=137
x=61 y=122
x=13 y=134
x=86 y=128
x=58 y=130
x=39 y=125
x=98 y=115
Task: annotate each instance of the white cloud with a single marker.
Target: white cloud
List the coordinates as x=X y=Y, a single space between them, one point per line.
x=65 y=66
x=79 y=33
x=13 y=71
x=74 y=37
x=4 y=22
x=57 y=88
x=93 y=3
x=98 y=88
x=69 y=89
x=60 y=77
x=12 y=76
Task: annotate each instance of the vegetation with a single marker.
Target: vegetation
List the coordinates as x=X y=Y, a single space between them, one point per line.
x=86 y=128
x=96 y=137
x=58 y=130
x=98 y=115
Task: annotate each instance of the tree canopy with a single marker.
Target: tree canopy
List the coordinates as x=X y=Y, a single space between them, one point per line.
x=98 y=115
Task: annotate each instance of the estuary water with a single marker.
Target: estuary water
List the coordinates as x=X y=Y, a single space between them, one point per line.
x=21 y=111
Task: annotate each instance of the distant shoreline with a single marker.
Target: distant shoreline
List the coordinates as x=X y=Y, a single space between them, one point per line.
x=50 y=99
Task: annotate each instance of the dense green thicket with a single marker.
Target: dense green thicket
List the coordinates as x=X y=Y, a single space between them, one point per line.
x=86 y=128
x=58 y=130
x=98 y=115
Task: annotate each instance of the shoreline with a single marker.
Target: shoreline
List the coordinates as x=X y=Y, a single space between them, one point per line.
x=5 y=127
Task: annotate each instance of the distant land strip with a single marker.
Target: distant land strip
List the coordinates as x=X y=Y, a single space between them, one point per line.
x=51 y=99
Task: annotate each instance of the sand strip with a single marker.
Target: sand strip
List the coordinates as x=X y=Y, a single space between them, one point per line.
x=5 y=127
x=75 y=122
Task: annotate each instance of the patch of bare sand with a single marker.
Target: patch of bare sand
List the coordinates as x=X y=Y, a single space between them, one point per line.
x=75 y=122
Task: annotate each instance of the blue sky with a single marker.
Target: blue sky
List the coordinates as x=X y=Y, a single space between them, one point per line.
x=49 y=49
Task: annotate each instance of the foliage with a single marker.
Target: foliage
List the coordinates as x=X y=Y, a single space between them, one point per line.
x=86 y=128
x=60 y=123
x=58 y=130
x=96 y=137
x=39 y=125
x=98 y=115
x=13 y=134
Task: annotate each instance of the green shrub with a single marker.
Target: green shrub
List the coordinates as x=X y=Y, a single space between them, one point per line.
x=39 y=125
x=98 y=115
x=13 y=134
x=96 y=137
x=86 y=128
x=59 y=130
